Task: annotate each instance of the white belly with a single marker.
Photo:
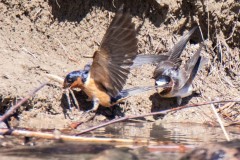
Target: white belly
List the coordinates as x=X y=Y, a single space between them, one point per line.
x=183 y=92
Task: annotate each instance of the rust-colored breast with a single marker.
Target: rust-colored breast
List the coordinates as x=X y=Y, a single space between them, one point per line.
x=167 y=92
x=92 y=89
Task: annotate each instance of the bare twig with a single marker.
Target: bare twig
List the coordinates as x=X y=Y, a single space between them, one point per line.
x=220 y=51
x=228 y=105
x=15 y=132
x=87 y=56
x=13 y=109
x=58 y=4
x=155 y=113
x=74 y=99
x=220 y=122
x=200 y=29
x=208 y=23
x=66 y=52
x=234 y=27
x=30 y=53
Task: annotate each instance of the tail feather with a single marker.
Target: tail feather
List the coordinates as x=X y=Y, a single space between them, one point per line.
x=173 y=54
x=148 y=59
x=135 y=91
x=130 y=92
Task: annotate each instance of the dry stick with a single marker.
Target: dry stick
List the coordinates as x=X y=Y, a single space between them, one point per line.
x=74 y=99
x=208 y=20
x=66 y=53
x=200 y=29
x=234 y=27
x=25 y=133
x=56 y=78
x=13 y=109
x=220 y=122
x=154 y=113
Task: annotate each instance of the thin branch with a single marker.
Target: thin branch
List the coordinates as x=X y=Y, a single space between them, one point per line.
x=87 y=56
x=66 y=52
x=13 y=109
x=208 y=22
x=200 y=29
x=55 y=78
x=164 y=112
x=74 y=99
x=15 y=132
x=58 y=4
x=234 y=27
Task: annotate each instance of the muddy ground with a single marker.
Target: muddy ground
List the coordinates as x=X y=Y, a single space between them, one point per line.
x=54 y=37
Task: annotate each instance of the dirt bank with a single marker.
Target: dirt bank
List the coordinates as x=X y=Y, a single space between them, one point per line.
x=40 y=37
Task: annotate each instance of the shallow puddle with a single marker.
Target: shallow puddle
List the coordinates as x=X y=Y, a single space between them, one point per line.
x=183 y=133
x=174 y=140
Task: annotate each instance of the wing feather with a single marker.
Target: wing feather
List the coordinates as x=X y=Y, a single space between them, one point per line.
x=112 y=62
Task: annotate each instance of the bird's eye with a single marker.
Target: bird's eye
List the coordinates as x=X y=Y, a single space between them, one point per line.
x=69 y=80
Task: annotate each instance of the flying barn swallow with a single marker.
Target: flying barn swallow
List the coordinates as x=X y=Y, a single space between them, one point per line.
x=103 y=80
x=178 y=79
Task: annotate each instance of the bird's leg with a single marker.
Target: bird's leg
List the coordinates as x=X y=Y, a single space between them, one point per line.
x=179 y=101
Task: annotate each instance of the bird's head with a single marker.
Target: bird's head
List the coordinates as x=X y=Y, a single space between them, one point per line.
x=75 y=79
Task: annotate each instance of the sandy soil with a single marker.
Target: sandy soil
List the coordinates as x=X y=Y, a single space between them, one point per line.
x=53 y=37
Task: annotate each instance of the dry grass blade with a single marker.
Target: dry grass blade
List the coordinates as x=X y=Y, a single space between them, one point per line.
x=220 y=122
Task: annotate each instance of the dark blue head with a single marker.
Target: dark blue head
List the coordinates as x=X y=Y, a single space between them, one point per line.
x=75 y=79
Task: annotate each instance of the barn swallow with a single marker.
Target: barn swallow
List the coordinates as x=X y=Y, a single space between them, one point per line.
x=103 y=80
x=178 y=79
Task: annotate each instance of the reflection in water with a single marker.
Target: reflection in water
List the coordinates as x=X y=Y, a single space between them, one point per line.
x=183 y=133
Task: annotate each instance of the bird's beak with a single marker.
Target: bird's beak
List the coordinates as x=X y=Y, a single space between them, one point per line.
x=161 y=85
x=66 y=85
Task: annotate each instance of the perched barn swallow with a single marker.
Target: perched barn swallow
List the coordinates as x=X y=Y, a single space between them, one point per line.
x=178 y=79
x=104 y=78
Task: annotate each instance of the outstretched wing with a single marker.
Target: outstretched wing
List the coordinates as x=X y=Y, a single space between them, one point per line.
x=170 y=67
x=190 y=69
x=111 y=63
x=173 y=61
x=176 y=51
